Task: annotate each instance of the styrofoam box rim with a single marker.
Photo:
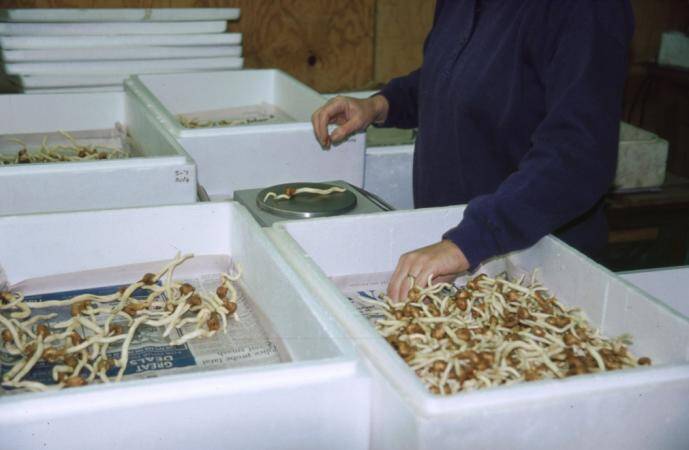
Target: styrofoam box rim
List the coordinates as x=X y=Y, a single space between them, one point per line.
x=405 y=381
x=156 y=107
x=189 y=385
x=181 y=156
x=117 y=14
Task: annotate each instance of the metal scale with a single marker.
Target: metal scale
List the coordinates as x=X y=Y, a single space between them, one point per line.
x=353 y=200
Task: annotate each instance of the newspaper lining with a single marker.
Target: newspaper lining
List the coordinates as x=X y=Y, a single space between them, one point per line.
x=366 y=286
x=245 y=344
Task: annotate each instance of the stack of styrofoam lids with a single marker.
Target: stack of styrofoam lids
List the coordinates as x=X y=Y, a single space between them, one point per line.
x=62 y=50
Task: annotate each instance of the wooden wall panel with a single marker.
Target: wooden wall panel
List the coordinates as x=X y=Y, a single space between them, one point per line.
x=327 y=44
x=401 y=28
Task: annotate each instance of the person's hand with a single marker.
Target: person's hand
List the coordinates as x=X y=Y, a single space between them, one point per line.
x=350 y=114
x=444 y=260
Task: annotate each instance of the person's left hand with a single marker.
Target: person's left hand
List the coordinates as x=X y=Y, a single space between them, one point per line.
x=444 y=260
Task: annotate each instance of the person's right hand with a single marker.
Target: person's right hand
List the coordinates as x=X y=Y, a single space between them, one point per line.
x=350 y=114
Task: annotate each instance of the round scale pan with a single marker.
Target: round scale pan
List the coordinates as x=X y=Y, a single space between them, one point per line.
x=306 y=205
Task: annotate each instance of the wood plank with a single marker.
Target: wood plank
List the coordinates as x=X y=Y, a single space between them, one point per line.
x=401 y=29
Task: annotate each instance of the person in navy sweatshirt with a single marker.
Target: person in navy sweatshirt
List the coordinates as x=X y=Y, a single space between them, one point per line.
x=518 y=105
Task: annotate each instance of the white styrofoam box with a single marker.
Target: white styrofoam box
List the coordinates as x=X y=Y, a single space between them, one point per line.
x=318 y=398
x=124 y=40
x=674 y=49
x=123 y=66
x=105 y=54
x=389 y=174
x=631 y=409
x=160 y=173
x=257 y=155
x=642 y=159
x=110 y=28
x=670 y=285
x=116 y=14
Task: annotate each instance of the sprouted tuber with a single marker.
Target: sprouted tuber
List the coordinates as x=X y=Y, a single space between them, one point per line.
x=291 y=192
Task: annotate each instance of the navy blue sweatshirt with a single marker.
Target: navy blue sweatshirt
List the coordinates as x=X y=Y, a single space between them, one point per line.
x=518 y=104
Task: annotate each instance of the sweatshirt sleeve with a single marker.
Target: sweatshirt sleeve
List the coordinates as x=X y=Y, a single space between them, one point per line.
x=403 y=104
x=573 y=156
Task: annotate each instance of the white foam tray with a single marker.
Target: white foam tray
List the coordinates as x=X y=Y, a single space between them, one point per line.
x=638 y=408
x=106 y=54
x=163 y=175
x=671 y=285
x=111 y=28
x=124 y=66
x=116 y=14
x=244 y=157
x=318 y=399
x=128 y=40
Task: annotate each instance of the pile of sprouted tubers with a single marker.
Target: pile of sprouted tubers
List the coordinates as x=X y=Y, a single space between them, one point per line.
x=62 y=153
x=494 y=331
x=195 y=122
x=77 y=359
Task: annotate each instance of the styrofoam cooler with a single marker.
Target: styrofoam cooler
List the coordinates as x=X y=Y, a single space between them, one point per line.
x=674 y=49
x=632 y=409
x=318 y=397
x=256 y=155
x=642 y=159
x=158 y=173
x=389 y=174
